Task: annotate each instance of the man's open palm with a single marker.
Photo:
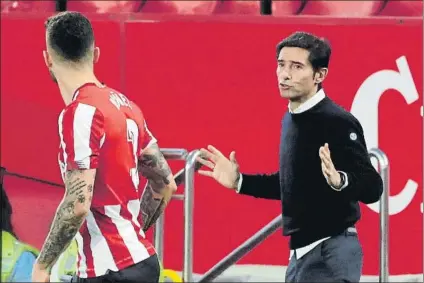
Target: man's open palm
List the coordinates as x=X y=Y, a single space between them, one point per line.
x=225 y=171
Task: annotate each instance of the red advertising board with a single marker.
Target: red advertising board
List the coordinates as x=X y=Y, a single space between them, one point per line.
x=203 y=82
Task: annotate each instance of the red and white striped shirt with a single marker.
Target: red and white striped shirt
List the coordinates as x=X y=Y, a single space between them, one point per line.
x=101 y=129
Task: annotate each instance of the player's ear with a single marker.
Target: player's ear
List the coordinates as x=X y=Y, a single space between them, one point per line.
x=96 y=55
x=47 y=59
x=320 y=75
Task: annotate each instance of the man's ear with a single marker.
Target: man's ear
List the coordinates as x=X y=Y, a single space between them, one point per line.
x=320 y=75
x=47 y=59
x=96 y=55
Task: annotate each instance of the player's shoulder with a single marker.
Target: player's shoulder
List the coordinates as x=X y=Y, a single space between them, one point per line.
x=87 y=103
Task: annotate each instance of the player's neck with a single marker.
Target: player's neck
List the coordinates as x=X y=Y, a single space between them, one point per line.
x=73 y=81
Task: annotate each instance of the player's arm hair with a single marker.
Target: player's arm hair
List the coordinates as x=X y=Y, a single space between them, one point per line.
x=160 y=186
x=70 y=215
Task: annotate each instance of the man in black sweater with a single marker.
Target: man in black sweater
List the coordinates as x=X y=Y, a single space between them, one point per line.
x=325 y=170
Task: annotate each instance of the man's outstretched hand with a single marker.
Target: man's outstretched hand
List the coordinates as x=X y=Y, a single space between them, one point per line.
x=225 y=171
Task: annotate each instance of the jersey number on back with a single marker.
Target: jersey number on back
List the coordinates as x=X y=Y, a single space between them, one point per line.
x=132 y=137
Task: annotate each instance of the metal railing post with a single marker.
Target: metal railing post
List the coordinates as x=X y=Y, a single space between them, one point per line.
x=169 y=154
x=158 y=237
x=383 y=163
x=188 y=215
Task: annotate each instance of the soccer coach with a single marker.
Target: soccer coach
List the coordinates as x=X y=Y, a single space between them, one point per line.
x=325 y=170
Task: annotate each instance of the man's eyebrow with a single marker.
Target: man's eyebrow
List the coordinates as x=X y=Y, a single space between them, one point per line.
x=294 y=62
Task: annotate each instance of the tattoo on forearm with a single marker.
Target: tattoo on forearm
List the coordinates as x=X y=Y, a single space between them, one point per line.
x=66 y=223
x=90 y=190
x=154 y=167
x=159 y=210
x=151 y=207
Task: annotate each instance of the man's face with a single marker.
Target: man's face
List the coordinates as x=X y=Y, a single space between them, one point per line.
x=296 y=77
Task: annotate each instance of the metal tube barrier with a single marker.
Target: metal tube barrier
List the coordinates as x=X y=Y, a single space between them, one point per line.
x=242 y=250
x=158 y=237
x=169 y=154
x=266 y=7
x=61 y=5
x=190 y=168
x=383 y=163
x=174 y=153
x=188 y=215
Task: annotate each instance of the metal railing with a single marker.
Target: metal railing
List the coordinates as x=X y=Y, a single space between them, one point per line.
x=170 y=154
x=242 y=250
x=188 y=198
x=275 y=224
x=383 y=164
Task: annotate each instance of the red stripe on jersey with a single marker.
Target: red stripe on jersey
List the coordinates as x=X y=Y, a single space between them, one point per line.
x=89 y=261
x=96 y=134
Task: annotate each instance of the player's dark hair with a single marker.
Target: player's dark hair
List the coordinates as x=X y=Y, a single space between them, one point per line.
x=319 y=49
x=70 y=35
x=6 y=208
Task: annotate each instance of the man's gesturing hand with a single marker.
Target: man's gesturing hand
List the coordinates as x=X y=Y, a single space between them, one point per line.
x=225 y=171
x=330 y=173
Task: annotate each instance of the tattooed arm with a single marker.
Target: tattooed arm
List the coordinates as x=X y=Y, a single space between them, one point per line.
x=70 y=215
x=160 y=187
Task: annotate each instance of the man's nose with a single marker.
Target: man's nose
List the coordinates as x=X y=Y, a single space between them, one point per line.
x=283 y=75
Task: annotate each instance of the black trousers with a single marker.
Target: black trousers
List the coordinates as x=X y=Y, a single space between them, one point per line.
x=146 y=271
x=338 y=259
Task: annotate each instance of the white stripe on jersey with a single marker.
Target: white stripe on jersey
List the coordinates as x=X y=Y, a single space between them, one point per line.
x=102 y=256
x=134 y=208
x=82 y=264
x=62 y=142
x=102 y=140
x=83 y=119
x=127 y=232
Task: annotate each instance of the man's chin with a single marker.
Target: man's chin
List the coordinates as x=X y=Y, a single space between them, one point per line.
x=287 y=94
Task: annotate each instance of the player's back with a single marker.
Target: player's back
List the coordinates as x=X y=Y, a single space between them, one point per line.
x=111 y=236
x=123 y=128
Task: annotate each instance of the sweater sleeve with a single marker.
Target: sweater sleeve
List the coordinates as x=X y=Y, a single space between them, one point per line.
x=350 y=155
x=260 y=186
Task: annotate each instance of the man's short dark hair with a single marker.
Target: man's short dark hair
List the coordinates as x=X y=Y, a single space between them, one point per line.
x=70 y=35
x=319 y=49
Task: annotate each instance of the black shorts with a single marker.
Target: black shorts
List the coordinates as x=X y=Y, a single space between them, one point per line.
x=147 y=271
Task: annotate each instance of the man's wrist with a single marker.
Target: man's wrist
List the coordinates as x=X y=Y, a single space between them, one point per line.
x=39 y=265
x=343 y=181
x=237 y=180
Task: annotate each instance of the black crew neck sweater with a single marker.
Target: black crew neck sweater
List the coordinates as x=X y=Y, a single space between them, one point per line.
x=311 y=208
